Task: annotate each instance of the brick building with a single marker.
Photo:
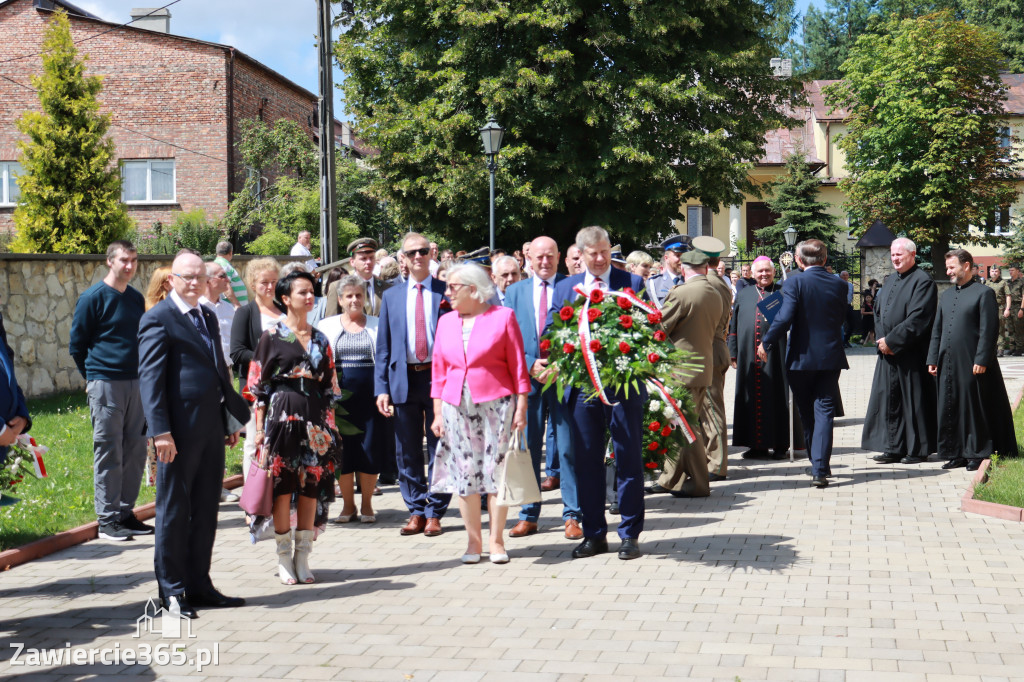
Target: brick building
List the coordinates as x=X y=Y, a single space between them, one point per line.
x=176 y=104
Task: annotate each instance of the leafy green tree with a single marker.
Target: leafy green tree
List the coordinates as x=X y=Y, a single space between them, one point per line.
x=70 y=185
x=796 y=198
x=615 y=112
x=1006 y=18
x=925 y=105
x=829 y=33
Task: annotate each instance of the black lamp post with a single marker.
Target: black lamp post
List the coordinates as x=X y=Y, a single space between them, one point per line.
x=491 y=135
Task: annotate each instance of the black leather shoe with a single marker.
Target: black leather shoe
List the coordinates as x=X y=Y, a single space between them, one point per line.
x=178 y=606
x=214 y=599
x=887 y=459
x=955 y=463
x=613 y=508
x=756 y=454
x=655 y=489
x=717 y=477
x=913 y=459
x=687 y=496
x=973 y=464
x=629 y=549
x=590 y=547
x=819 y=482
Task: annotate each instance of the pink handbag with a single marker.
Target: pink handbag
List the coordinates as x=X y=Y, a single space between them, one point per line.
x=257 y=493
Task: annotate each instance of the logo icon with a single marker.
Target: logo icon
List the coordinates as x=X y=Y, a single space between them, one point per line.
x=155 y=620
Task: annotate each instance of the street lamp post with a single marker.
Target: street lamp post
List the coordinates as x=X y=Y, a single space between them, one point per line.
x=789 y=234
x=491 y=134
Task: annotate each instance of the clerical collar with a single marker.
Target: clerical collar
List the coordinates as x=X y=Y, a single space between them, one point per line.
x=901 y=275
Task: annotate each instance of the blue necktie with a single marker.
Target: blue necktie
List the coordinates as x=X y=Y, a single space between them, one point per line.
x=200 y=323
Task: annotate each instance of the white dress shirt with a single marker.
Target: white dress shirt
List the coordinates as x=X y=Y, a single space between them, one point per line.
x=225 y=313
x=410 y=320
x=590 y=279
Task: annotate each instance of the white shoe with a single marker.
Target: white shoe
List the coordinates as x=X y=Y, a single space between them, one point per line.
x=499 y=558
x=470 y=558
x=303 y=547
x=285 y=564
x=228 y=496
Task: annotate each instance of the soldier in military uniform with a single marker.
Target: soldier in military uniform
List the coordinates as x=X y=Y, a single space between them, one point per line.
x=996 y=283
x=659 y=285
x=1011 y=321
x=712 y=419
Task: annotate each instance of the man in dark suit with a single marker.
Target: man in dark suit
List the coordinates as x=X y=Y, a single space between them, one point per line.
x=814 y=305
x=590 y=418
x=189 y=404
x=362 y=257
x=530 y=300
x=405 y=340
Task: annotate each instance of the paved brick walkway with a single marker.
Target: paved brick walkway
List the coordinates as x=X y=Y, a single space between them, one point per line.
x=878 y=577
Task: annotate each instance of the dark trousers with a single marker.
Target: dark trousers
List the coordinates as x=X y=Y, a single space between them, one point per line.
x=187 y=501
x=412 y=419
x=540 y=404
x=590 y=420
x=814 y=392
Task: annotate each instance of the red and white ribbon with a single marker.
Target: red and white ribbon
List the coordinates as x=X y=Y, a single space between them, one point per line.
x=679 y=418
x=589 y=361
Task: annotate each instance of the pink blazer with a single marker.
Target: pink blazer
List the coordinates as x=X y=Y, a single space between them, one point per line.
x=495 y=365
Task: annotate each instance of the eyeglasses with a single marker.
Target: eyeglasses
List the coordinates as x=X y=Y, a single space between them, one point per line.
x=417 y=252
x=189 y=279
x=454 y=288
x=220 y=276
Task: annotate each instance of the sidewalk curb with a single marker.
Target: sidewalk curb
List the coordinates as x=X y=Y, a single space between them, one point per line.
x=76 y=536
x=973 y=506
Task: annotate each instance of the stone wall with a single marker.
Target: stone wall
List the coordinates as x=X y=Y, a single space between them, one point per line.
x=38 y=295
x=876 y=264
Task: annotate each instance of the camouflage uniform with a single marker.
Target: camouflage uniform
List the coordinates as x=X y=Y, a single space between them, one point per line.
x=1011 y=338
x=999 y=289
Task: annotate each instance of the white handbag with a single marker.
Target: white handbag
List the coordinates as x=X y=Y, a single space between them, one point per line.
x=517 y=483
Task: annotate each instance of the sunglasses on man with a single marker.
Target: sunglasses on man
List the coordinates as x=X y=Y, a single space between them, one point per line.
x=417 y=252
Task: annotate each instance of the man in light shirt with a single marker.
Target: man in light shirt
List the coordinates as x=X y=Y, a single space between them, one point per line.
x=301 y=249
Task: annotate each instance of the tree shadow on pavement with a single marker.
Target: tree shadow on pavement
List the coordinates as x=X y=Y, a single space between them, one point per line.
x=732 y=551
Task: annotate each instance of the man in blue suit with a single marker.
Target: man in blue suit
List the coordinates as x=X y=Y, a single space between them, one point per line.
x=591 y=418
x=405 y=344
x=814 y=305
x=192 y=412
x=14 y=419
x=530 y=300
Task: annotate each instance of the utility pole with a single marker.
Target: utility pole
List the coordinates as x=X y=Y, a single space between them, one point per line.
x=328 y=195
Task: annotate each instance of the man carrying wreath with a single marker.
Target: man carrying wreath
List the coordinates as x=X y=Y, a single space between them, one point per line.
x=591 y=418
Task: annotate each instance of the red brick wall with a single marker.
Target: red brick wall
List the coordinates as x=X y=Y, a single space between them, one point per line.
x=156 y=86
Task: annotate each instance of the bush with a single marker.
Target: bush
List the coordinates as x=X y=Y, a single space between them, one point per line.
x=189 y=230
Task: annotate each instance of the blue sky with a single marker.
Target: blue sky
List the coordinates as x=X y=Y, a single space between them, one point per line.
x=278 y=33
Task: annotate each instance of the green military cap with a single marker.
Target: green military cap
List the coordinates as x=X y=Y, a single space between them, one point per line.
x=362 y=244
x=694 y=258
x=712 y=246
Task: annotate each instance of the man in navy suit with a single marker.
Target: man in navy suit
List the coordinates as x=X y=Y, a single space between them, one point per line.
x=190 y=405
x=590 y=418
x=530 y=300
x=405 y=344
x=814 y=305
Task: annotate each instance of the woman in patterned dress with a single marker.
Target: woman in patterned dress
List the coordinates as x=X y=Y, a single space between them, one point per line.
x=479 y=386
x=292 y=381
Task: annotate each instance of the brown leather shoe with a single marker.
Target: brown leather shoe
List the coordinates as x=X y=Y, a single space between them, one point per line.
x=522 y=529
x=550 y=483
x=573 y=530
x=433 y=528
x=414 y=526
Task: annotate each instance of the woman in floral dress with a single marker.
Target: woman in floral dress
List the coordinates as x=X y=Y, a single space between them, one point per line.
x=293 y=385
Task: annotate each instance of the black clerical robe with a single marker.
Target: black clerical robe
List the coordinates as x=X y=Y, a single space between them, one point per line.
x=974 y=418
x=901 y=409
x=760 y=418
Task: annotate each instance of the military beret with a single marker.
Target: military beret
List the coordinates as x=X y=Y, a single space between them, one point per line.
x=712 y=246
x=677 y=242
x=694 y=258
x=362 y=244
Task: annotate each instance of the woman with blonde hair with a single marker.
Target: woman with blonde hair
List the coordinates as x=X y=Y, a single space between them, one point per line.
x=159 y=286
x=640 y=263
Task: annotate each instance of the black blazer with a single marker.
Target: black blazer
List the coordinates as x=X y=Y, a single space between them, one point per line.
x=177 y=373
x=814 y=305
x=246 y=330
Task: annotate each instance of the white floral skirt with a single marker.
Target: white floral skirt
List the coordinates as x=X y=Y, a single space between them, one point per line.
x=473 y=447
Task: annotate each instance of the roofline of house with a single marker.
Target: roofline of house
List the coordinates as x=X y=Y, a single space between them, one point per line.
x=40 y=5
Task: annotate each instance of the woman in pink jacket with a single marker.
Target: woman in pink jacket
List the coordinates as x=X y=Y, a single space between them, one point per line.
x=479 y=386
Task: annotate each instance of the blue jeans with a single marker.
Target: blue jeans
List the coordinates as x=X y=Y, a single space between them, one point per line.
x=539 y=404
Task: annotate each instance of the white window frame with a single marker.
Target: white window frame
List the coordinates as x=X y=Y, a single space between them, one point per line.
x=149 y=182
x=5 y=171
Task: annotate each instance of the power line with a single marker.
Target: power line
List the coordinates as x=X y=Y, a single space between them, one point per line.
x=101 y=33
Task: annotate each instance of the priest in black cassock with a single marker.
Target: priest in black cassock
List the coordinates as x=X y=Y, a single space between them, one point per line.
x=974 y=413
x=760 y=419
x=900 y=420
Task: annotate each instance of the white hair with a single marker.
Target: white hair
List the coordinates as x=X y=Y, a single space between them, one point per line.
x=294 y=266
x=501 y=260
x=476 y=277
x=905 y=244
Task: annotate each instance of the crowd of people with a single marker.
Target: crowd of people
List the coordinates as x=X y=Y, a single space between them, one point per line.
x=435 y=360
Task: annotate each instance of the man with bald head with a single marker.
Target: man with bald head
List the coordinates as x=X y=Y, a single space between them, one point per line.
x=192 y=412
x=530 y=300
x=901 y=416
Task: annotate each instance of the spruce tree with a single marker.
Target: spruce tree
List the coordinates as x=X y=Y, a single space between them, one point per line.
x=70 y=186
x=795 y=197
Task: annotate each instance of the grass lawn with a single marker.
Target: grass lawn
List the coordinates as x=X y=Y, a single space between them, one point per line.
x=64 y=499
x=1005 y=484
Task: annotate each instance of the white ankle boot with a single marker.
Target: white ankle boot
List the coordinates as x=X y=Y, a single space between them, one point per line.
x=285 y=564
x=303 y=546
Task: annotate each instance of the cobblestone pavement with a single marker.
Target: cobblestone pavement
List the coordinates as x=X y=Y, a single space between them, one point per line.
x=878 y=577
